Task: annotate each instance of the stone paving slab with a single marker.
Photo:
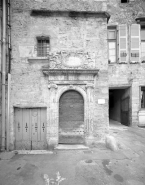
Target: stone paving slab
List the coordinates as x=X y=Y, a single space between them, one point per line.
x=94 y=166
x=6 y=155
x=33 y=152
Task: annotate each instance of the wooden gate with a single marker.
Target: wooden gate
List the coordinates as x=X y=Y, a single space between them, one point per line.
x=125 y=111
x=71 y=118
x=30 y=128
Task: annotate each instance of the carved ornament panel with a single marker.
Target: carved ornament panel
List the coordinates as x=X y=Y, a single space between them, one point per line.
x=73 y=60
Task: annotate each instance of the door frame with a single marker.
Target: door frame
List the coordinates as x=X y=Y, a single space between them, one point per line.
x=113 y=87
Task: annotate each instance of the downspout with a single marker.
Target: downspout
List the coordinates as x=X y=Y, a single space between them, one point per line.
x=9 y=76
x=3 y=73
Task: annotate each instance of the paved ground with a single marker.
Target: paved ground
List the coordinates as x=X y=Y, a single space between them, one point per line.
x=94 y=166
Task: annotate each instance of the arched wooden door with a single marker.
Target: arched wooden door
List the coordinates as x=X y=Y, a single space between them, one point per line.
x=71 y=118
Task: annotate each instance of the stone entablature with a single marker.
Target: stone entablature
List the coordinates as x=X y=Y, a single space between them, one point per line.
x=57 y=86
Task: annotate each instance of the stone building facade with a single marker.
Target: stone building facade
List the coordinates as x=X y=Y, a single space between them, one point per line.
x=74 y=65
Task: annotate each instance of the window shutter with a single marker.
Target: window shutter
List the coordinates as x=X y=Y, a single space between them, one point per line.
x=135 y=43
x=122 y=43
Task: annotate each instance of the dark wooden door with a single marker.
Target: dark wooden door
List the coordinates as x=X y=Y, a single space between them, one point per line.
x=30 y=129
x=125 y=111
x=71 y=118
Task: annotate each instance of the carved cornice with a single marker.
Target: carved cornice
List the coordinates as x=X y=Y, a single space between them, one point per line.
x=48 y=13
x=52 y=86
x=48 y=72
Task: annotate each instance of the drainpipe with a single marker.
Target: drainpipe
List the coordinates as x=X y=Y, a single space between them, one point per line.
x=3 y=73
x=9 y=76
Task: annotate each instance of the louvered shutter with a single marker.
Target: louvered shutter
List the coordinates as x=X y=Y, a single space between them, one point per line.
x=122 y=43
x=135 y=43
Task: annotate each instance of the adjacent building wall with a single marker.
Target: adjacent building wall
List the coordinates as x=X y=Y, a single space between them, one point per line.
x=127 y=74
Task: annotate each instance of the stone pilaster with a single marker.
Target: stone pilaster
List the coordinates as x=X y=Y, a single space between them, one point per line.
x=90 y=113
x=52 y=128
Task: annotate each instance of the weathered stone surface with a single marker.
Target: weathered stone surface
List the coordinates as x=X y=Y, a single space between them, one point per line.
x=111 y=143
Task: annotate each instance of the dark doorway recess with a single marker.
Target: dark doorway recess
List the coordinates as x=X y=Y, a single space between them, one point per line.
x=124 y=1
x=71 y=118
x=119 y=105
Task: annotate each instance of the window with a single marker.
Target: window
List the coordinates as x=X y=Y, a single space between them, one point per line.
x=126 y=1
x=111 y=44
x=143 y=97
x=143 y=43
x=43 y=46
x=135 y=43
x=123 y=47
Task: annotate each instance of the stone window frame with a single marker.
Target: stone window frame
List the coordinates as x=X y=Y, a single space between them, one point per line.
x=43 y=47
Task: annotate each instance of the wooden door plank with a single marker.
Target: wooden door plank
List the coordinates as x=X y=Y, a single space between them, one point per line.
x=26 y=129
x=18 y=128
x=34 y=124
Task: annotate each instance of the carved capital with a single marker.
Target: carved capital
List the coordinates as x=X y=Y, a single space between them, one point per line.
x=91 y=86
x=52 y=86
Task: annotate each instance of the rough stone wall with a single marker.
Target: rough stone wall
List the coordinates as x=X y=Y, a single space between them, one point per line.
x=127 y=74
x=84 y=37
x=76 y=5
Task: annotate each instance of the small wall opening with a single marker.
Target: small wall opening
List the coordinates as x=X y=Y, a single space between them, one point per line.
x=119 y=106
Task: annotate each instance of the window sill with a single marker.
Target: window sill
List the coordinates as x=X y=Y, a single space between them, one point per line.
x=122 y=63
x=134 y=62
x=38 y=59
x=115 y=63
x=112 y=63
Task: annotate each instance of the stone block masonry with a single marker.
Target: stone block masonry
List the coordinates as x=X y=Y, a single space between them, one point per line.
x=78 y=41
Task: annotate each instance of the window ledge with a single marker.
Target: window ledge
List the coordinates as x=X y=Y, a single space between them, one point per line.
x=122 y=63
x=38 y=59
x=134 y=62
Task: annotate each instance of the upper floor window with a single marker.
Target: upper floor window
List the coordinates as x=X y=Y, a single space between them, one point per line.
x=143 y=43
x=142 y=97
x=112 y=44
x=43 y=46
x=124 y=43
x=124 y=1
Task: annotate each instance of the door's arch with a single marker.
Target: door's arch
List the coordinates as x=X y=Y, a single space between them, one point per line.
x=71 y=118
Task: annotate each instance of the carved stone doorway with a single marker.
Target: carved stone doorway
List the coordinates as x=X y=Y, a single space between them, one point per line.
x=71 y=118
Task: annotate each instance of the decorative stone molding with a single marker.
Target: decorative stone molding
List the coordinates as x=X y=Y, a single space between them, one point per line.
x=90 y=86
x=67 y=88
x=71 y=60
x=52 y=86
x=48 y=71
